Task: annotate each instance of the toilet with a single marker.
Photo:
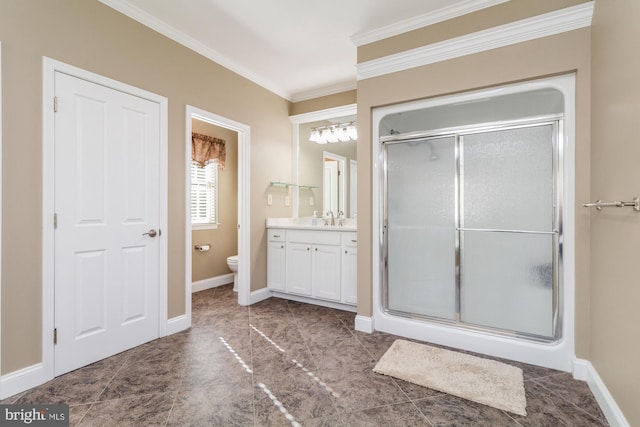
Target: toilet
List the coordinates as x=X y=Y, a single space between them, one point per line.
x=232 y=262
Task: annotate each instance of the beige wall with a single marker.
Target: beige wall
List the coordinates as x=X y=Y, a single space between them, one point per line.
x=564 y=53
x=324 y=102
x=224 y=239
x=92 y=36
x=615 y=291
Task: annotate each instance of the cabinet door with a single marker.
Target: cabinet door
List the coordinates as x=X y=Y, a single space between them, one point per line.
x=298 y=268
x=325 y=269
x=276 y=262
x=350 y=275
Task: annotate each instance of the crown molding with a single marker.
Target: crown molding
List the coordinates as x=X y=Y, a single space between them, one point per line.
x=326 y=114
x=168 y=31
x=439 y=15
x=548 y=24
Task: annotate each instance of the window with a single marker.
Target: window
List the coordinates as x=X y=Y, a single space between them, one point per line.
x=204 y=195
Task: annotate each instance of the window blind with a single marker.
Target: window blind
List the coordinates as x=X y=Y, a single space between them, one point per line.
x=204 y=197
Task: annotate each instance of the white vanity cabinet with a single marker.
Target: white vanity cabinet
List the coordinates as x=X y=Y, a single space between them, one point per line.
x=349 y=268
x=325 y=272
x=276 y=260
x=298 y=269
x=311 y=264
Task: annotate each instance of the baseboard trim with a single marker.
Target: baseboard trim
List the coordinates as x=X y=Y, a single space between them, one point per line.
x=315 y=301
x=177 y=324
x=23 y=379
x=32 y=376
x=580 y=369
x=259 y=295
x=212 y=282
x=364 y=324
x=609 y=407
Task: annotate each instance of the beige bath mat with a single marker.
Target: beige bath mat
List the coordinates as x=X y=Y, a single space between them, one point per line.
x=480 y=380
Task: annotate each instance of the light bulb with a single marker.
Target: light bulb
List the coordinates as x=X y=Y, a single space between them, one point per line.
x=331 y=136
x=353 y=132
x=324 y=136
x=315 y=136
x=342 y=134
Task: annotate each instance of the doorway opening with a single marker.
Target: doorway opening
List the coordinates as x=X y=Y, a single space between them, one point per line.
x=333 y=183
x=237 y=224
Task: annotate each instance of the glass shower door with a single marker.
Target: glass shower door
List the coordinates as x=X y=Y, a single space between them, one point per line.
x=420 y=189
x=507 y=235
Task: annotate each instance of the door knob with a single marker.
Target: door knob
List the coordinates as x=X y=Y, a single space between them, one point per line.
x=151 y=233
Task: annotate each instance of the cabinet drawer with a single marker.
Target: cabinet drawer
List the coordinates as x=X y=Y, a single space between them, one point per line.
x=350 y=239
x=276 y=235
x=314 y=237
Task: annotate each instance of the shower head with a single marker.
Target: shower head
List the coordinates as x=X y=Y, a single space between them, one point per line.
x=434 y=156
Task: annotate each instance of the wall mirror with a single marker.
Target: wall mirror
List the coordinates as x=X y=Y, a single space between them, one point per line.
x=324 y=171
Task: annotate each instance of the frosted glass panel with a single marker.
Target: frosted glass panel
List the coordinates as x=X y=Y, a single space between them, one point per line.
x=507 y=180
x=507 y=281
x=420 y=227
x=505 y=183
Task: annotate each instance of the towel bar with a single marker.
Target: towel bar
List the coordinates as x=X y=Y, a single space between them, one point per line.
x=599 y=204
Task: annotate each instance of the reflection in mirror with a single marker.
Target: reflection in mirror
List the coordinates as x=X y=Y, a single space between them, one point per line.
x=324 y=177
x=333 y=183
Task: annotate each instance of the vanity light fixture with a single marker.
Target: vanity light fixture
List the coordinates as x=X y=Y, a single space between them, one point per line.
x=316 y=137
x=342 y=132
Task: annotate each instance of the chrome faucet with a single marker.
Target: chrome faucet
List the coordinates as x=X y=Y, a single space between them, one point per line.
x=333 y=220
x=340 y=218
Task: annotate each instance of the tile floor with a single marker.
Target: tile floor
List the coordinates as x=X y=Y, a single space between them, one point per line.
x=229 y=370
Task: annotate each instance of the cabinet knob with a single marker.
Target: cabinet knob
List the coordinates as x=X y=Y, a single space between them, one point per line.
x=282 y=246
x=308 y=249
x=316 y=249
x=346 y=252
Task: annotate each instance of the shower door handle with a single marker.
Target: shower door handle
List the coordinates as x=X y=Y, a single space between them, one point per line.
x=499 y=230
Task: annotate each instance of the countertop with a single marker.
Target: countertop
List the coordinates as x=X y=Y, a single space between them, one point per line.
x=306 y=224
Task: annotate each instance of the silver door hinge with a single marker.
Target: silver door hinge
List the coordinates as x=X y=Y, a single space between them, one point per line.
x=55 y=104
x=55 y=336
x=55 y=221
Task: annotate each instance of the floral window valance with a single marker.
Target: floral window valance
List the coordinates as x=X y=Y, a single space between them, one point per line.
x=206 y=149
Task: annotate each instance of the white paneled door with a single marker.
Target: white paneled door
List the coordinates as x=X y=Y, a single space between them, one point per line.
x=107 y=160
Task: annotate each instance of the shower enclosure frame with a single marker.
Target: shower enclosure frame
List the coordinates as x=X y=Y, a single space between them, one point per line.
x=558 y=352
x=458 y=134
